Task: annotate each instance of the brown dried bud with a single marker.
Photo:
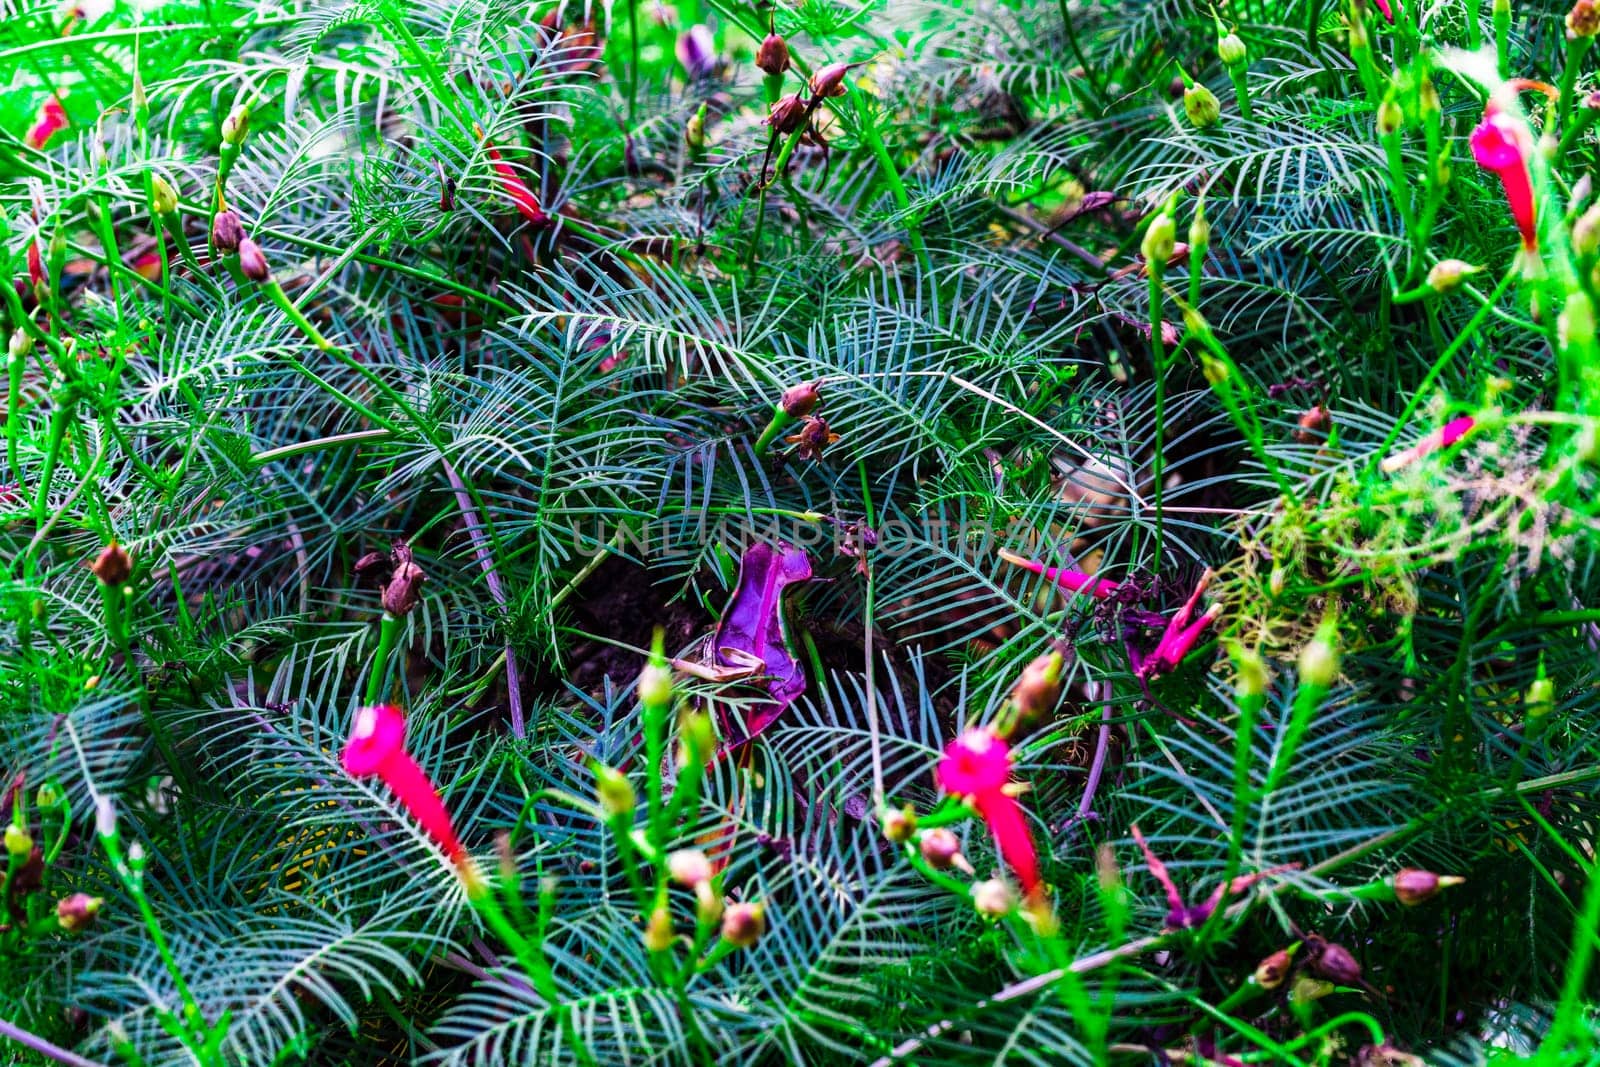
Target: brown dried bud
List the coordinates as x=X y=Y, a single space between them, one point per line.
x=773 y=55
x=1583 y=20
x=744 y=923
x=829 y=81
x=77 y=911
x=798 y=401
x=113 y=566
x=1313 y=423
x=404 y=588
x=1335 y=963
x=252 y=261
x=1271 y=971
x=226 y=231
x=788 y=114
x=1413 y=886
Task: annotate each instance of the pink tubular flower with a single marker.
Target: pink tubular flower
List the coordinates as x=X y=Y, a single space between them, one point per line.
x=51 y=119
x=1178 y=638
x=377 y=746
x=1503 y=144
x=1072 y=580
x=1383 y=6
x=1443 y=437
x=522 y=196
x=977 y=765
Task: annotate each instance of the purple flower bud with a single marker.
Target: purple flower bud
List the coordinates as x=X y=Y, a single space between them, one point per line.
x=829 y=81
x=744 y=923
x=773 y=55
x=697 y=51
x=1335 y=963
x=252 y=261
x=1413 y=886
x=77 y=911
x=798 y=401
x=226 y=231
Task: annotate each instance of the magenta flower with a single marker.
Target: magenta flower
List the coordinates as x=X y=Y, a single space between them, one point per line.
x=523 y=197
x=977 y=765
x=1182 y=916
x=1075 y=581
x=1443 y=437
x=377 y=746
x=1503 y=144
x=1383 y=5
x=1178 y=638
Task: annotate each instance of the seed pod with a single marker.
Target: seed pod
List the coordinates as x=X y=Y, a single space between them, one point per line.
x=993 y=898
x=1447 y=274
x=1335 y=963
x=113 y=566
x=773 y=55
x=899 y=823
x=744 y=923
x=1201 y=105
x=788 y=114
x=404 y=588
x=163 y=197
x=798 y=401
x=77 y=911
x=829 y=81
x=1413 y=886
x=235 y=126
x=689 y=867
x=941 y=848
x=252 y=261
x=1271 y=971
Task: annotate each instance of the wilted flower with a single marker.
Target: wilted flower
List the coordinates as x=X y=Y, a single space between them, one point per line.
x=377 y=746
x=798 y=401
x=403 y=587
x=1183 y=916
x=788 y=114
x=523 y=197
x=977 y=765
x=743 y=923
x=1312 y=425
x=697 y=51
x=899 y=823
x=1583 y=20
x=1503 y=144
x=829 y=81
x=1178 y=638
x=113 y=566
x=812 y=437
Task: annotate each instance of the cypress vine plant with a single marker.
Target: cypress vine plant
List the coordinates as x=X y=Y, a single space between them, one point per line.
x=799 y=533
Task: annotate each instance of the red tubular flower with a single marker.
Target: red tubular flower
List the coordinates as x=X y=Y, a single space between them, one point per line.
x=36 y=272
x=977 y=765
x=52 y=118
x=1072 y=580
x=1383 y=6
x=522 y=196
x=1503 y=144
x=377 y=746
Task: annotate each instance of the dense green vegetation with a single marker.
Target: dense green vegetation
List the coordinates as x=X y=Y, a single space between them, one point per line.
x=1110 y=489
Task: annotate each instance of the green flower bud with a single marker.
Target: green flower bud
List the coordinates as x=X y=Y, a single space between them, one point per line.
x=235 y=126
x=694 y=131
x=19 y=345
x=1586 y=232
x=18 y=841
x=1319 y=660
x=616 y=793
x=1254 y=678
x=163 y=197
x=1447 y=274
x=658 y=932
x=1232 y=51
x=1160 y=238
x=48 y=797
x=1391 y=116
